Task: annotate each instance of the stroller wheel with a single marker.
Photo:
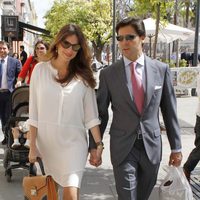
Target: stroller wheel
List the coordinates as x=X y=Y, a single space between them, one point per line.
x=8 y=175
x=6 y=160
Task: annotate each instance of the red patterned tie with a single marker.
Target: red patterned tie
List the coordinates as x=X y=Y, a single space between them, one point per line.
x=138 y=90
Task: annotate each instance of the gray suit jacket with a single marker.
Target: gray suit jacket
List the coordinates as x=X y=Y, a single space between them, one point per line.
x=126 y=119
x=13 y=69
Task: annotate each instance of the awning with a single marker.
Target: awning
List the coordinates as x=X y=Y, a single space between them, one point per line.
x=35 y=28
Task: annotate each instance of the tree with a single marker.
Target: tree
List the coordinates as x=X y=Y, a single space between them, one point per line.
x=94 y=17
x=156 y=9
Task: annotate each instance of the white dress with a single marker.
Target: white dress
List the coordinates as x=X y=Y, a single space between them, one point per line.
x=62 y=116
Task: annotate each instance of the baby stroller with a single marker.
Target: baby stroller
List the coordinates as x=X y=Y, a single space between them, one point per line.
x=19 y=113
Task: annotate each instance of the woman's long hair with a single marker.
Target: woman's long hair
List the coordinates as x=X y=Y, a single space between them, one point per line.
x=81 y=64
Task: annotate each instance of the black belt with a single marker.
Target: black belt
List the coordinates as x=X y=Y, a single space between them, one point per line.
x=4 y=90
x=139 y=136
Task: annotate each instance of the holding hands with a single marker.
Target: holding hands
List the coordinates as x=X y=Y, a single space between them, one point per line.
x=95 y=155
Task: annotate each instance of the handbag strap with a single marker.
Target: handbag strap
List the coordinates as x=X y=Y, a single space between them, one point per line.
x=33 y=169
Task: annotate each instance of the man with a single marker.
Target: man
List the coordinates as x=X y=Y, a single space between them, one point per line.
x=9 y=69
x=194 y=156
x=136 y=86
x=23 y=55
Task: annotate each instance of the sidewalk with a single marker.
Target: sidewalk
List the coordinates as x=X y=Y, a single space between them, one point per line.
x=98 y=183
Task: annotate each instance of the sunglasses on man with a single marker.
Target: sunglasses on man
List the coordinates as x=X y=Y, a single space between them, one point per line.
x=128 y=37
x=65 y=44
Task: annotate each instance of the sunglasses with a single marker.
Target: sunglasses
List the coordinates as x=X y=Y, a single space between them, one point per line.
x=65 y=44
x=128 y=37
x=40 y=48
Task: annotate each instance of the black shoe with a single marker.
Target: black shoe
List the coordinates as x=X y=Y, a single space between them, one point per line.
x=4 y=141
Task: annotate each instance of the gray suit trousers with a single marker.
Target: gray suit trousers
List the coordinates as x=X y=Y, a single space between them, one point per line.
x=136 y=176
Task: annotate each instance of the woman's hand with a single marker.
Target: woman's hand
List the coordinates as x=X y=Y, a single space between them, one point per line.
x=18 y=84
x=33 y=154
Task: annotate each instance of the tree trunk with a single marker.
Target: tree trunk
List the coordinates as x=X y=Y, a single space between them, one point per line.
x=187 y=4
x=157 y=29
x=97 y=51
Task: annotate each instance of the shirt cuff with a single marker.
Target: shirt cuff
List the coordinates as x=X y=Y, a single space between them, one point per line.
x=176 y=150
x=92 y=123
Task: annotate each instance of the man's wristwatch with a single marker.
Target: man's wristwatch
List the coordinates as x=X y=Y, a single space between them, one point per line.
x=100 y=145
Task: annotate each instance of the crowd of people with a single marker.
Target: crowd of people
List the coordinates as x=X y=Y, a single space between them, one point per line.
x=64 y=107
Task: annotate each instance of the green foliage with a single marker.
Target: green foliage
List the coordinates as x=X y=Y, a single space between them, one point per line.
x=94 y=17
x=182 y=63
x=144 y=9
x=170 y=63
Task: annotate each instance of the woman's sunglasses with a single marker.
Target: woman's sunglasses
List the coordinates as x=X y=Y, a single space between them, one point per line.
x=65 y=44
x=40 y=48
x=126 y=37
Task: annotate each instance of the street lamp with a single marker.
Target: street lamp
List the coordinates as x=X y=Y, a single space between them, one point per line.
x=113 y=35
x=196 y=40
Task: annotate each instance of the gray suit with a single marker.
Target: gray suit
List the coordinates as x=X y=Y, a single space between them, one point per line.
x=127 y=122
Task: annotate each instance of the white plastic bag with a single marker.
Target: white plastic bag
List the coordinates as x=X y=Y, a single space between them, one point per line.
x=175 y=186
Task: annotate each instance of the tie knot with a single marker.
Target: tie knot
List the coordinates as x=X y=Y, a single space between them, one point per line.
x=2 y=60
x=133 y=66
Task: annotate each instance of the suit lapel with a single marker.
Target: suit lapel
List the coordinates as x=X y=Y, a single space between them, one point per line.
x=8 y=65
x=150 y=72
x=120 y=70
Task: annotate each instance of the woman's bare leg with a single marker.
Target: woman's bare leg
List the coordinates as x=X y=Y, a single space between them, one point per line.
x=70 y=193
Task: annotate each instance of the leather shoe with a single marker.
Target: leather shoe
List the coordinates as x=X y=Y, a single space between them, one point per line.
x=187 y=174
x=4 y=141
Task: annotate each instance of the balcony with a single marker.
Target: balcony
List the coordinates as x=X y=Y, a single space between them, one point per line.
x=9 y=7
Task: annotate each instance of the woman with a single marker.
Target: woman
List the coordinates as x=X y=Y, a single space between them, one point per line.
x=15 y=55
x=62 y=107
x=40 y=51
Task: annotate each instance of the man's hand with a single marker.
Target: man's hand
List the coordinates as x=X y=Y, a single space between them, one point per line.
x=175 y=159
x=95 y=157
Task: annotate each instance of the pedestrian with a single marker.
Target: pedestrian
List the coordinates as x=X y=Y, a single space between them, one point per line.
x=40 y=50
x=194 y=156
x=9 y=69
x=136 y=87
x=62 y=106
x=15 y=55
x=23 y=54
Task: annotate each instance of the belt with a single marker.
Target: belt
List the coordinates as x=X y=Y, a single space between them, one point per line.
x=139 y=136
x=4 y=90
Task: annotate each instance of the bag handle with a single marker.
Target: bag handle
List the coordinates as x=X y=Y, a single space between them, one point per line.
x=33 y=169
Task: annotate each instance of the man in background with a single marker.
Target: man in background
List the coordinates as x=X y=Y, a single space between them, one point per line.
x=194 y=156
x=23 y=55
x=9 y=70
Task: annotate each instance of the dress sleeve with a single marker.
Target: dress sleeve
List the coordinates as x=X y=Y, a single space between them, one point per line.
x=90 y=109
x=33 y=98
x=25 y=68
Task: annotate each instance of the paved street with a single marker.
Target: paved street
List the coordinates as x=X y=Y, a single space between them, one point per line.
x=98 y=184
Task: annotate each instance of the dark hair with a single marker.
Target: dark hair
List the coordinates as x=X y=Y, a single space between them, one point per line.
x=40 y=42
x=15 y=54
x=5 y=43
x=136 y=23
x=80 y=64
x=22 y=47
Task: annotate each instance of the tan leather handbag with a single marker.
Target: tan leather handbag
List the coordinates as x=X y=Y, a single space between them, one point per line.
x=39 y=187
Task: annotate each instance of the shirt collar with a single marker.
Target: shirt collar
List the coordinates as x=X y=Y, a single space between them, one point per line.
x=140 y=60
x=5 y=59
